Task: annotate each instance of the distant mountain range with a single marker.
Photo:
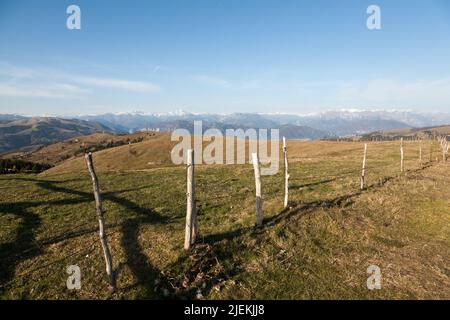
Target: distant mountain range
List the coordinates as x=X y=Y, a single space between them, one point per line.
x=325 y=124
x=132 y=122
x=18 y=131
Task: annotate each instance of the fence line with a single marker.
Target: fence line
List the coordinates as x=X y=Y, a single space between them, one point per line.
x=348 y=174
x=80 y=251
x=191 y=209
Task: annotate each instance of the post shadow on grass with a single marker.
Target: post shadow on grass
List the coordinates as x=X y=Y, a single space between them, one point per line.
x=146 y=275
x=219 y=248
x=18 y=250
x=65 y=235
x=89 y=197
x=342 y=201
x=136 y=259
x=220 y=245
x=141 y=268
x=49 y=181
x=312 y=184
x=28 y=247
x=83 y=197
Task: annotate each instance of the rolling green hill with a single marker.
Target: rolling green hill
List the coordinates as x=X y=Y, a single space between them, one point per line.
x=58 y=152
x=411 y=133
x=34 y=132
x=318 y=248
x=152 y=152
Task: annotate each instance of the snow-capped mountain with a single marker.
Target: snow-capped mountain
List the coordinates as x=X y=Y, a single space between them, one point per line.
x=351 y=122
x=333 y=123
x=293 y=126
x=329 y=123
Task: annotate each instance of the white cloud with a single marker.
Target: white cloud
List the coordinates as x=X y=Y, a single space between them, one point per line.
x=135 y=86
x=32 y=80
x=19 y=72
x=48 y=91
x=211 y=81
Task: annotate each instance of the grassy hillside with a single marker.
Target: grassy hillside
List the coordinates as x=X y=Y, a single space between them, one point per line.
x=33 y=132
x=58 y=152
x=412 y=133
x=318 y=248
x=154 y=151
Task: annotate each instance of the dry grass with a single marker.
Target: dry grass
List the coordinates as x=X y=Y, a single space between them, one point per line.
x=319 y=248
x=423 y=133
x=57 y=152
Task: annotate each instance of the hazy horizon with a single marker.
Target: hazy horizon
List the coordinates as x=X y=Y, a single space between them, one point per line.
x=180 y=112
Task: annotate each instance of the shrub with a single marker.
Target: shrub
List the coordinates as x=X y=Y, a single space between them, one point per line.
x=21 y=166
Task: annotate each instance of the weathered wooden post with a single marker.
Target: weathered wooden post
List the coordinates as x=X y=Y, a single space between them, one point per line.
x=420 y=154
x=286 y=174
x=431 y=151
x=101 y=223
x=191 y=214
x=401 y=156
x=446 y=150
x=259 y=212
x=445 y=147
x=363 y=172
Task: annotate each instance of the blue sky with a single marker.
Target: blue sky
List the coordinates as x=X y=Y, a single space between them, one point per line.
x=223 y=56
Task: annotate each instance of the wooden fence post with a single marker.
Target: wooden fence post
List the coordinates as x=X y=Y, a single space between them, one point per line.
x=402 y=156
x=443 y=150
x=102 y=232
x=259 y=212
x=194 y=204
x=445 y=147
x=363 y=172
x=286 y=174
x=446 y=150
x=420 y=154
x=431 y=151
x=191 y=215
